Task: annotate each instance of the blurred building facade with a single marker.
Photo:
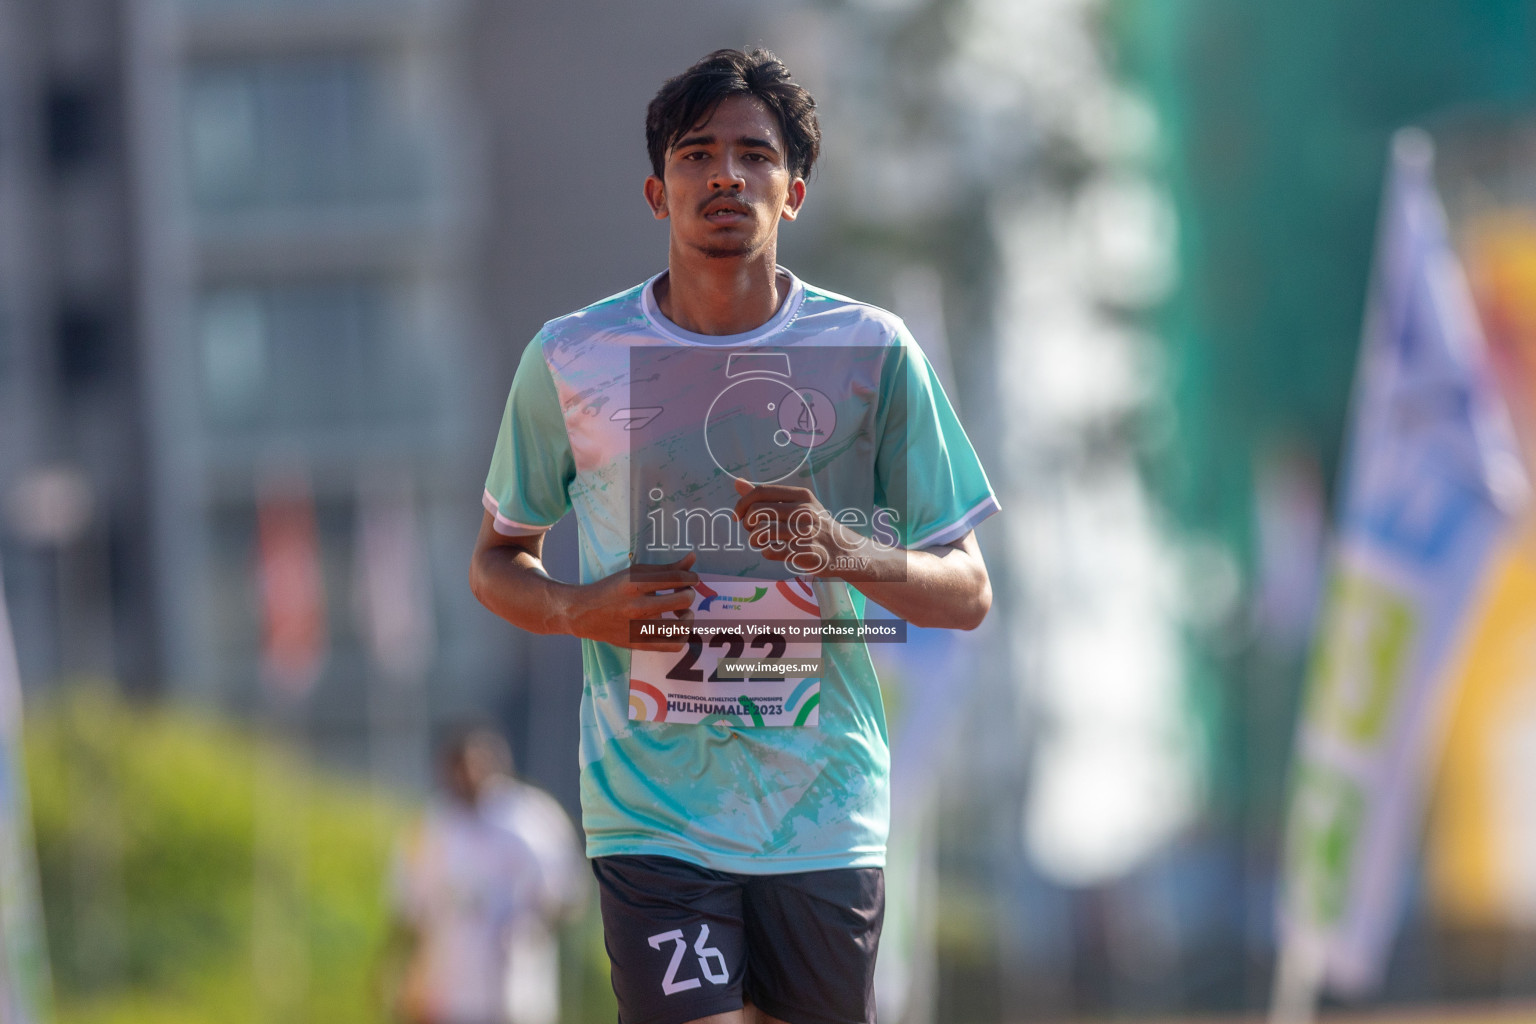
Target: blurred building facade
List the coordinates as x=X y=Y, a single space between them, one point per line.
x=256 y=240
x=72 y=461
x=300 y=250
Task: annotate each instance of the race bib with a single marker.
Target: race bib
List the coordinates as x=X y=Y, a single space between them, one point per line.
x=753 y=659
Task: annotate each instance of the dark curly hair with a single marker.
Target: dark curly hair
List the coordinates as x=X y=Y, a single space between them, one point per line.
x=691 y=98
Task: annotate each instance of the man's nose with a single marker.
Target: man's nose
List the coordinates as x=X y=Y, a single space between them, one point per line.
x=727 y=175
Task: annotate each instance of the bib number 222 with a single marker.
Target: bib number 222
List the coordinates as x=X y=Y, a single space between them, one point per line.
x=772 y=645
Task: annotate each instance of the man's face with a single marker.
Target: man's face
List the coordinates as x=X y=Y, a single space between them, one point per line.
x=469 y=770
x=726 y=184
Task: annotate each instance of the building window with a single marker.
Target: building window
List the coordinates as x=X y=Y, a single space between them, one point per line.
x=280 y=358
x=306 y=132
x=73 y=124
x=84 y=331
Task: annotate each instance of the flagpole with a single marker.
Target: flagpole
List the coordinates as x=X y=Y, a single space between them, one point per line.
x=393 y=587
x=278 y=941
x=1298 y=982
x=25 y=981
x=294 y=645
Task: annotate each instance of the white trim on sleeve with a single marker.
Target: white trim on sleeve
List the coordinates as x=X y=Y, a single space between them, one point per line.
x=960 y=527
x=504 y=526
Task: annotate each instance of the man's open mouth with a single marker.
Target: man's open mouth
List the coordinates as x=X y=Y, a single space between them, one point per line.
x=725 y=211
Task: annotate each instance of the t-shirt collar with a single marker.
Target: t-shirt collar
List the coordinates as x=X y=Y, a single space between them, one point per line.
x=787 y=311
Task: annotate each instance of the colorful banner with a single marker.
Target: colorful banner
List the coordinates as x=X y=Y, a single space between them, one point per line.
x=24 y=984
x=292 y=582
x=1481 y=847
x=1431 y=476
x=1480 y=856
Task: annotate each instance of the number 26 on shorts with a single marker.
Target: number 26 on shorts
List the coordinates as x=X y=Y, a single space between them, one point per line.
x=711 y=960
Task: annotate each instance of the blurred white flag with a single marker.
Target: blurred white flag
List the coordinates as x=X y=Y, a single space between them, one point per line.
x=394 y=586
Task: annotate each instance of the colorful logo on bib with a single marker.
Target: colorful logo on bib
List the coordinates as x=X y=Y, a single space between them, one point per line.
x=717 y=602
x=646 y=702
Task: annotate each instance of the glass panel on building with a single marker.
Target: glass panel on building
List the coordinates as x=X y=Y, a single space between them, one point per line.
x=299 y=131
x=287 y=357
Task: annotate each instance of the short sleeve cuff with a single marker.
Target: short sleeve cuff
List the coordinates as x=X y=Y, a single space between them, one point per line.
x=504 y=526
x=960 y=527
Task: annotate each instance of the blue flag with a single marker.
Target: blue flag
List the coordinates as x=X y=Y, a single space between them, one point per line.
x=1431 y=478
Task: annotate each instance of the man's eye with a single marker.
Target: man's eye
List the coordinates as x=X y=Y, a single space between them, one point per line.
x=695 y=155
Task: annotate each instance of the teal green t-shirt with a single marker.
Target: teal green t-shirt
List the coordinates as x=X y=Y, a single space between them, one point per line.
x=605 y=414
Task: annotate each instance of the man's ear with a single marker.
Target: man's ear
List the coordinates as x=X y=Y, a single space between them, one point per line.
x=793 y=201
x=656 y=195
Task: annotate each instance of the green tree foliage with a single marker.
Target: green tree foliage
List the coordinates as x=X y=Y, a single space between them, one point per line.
x=148 y=821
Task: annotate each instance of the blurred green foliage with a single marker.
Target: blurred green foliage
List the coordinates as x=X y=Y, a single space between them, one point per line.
x=147 y=821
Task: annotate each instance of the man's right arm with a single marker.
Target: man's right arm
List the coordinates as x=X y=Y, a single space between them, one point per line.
x=507 y=575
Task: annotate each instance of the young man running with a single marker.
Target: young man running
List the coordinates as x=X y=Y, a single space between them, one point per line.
x=748 y=458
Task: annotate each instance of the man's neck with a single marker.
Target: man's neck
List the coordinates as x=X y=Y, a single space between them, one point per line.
x=719 y=296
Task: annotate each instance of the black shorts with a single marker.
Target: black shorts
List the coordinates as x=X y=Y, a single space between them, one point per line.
x=686 y=942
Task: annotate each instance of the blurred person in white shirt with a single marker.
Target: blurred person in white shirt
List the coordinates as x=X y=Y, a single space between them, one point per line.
x=480 y=883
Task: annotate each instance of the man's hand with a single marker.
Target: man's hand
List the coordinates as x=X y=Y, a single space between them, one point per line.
x=789 y=524
x=507 y=574
x=944 y=585
x=605 y=610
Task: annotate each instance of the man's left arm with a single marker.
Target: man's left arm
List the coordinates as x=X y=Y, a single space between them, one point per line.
x=944 y=586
